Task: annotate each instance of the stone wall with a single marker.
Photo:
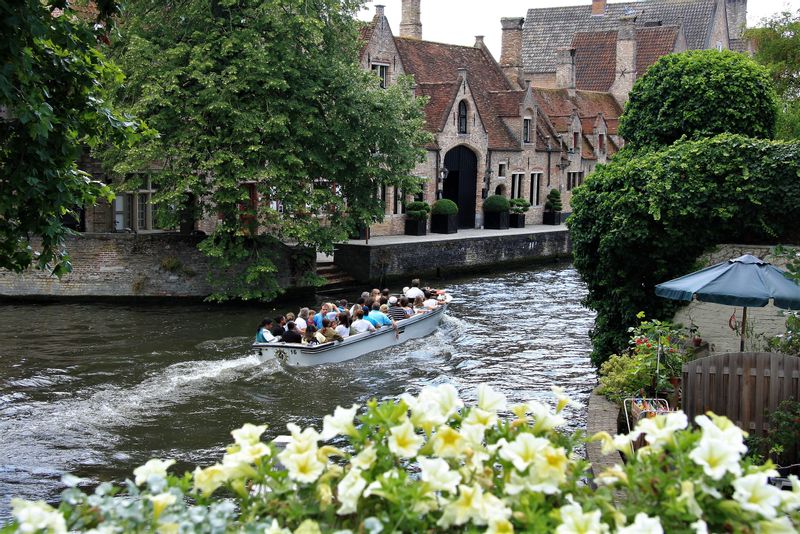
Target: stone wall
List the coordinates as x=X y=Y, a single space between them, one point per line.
x=712 y=319
x=128 y=265
x=449 y=256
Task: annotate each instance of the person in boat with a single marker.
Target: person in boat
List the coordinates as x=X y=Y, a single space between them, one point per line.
x=414 y=291
x=430 y=301
x=419 y=305
x=278 y=326
x=334 y=311
x=361 y=325
x=343 y=328
x=263 y=334
x=380 y=318
x=323 y=314
x=291 y=335
x=342 y=305
x=310 y=337
x=359 y=305
x=406 y=305
x=302 y=320
x=396 y=311
x=329 y=332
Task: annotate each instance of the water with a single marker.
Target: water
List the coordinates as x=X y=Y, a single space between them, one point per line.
x=96 y=390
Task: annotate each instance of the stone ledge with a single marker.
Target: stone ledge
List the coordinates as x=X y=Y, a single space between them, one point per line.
x=601 y=415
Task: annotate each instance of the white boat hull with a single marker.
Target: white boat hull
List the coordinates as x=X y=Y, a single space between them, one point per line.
x=299 y=355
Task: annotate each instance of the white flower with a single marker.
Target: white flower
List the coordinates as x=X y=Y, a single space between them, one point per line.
x=562 y=398
x=304 y=467
x=544 y=419
x=716 y=458
x=791 y=499
x=489 y=400
x=643 y=524
x=478 y=417
x=467 y=506
x=437 y=474
x=619 y=443
x=275 y=528
x=755 y=494
x=611 y=476
x=376 y=487
x=500 y=526
x=426 y=411
x=780 y=525
x=209 y=479
x=341 y=422
x=154 y=467
x=364 y=459
x=658 y=430
x=473 y=434
x=238 y=465
x=403 y=441
x=36 y=516
x=447 y=442
x=249 y=434
x=699 y=527
x=447 y=397
x=523 y=450
x=373 y=525
x=161 y=501
x=302 y=441
x=688 y=499
x=349 y=490
x=575 y=521
x=722 y=429
x=548 y=470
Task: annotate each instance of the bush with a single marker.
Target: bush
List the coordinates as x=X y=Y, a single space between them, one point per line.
x=495 y=204
x=444 y=207
x=699 y=93
x=780 y=444
x=553 y=202
x=519 y=205
x=429 y=464
x=417 y=210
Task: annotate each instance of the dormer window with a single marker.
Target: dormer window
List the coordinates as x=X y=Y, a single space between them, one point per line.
x=576 y=139
x=601 y=142
x=462 y=117
x=382 y=71
x=526 y=130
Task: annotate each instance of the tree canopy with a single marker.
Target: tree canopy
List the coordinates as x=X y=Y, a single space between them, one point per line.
x=54 y=101
x=777 y=45
x=267 y=93
x=645 y=217
x=699 y=93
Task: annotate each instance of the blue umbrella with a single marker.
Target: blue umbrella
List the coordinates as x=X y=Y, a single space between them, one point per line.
x=744 y=281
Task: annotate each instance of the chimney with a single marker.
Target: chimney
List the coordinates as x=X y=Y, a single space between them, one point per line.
x=379 y=14
x=737 y=18
x=479 y=41
x=598 y=7
x=625 y=71
x=511 y=49
x=410 y=23
x=565 y=69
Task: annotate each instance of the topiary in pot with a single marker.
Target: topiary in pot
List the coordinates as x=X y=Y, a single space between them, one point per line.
x=417 y=218
x=552 y=208
x=495 y=209
x=518 y=208
x=445 y=217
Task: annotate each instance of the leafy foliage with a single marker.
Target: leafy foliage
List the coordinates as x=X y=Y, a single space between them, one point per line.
x=444 y=206
x=699 y=93
x=496 y=203
x=643 y=218
x=54 y=102
x=780 y=444
x=553 y=202
x=418 y=210
x=519 y=205
x=267 y=93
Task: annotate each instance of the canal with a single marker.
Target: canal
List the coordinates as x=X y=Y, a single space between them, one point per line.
x=98 y=389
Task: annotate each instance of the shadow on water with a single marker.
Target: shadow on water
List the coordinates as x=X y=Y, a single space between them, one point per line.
x=96 y=390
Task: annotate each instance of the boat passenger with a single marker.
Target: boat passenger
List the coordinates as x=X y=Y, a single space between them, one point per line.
x=263 y=335
x=291 y=335
x=361 y=325
x=343 y=329
x=302 y=320
x=406 y=305
x=419 y=305
x=380 y=318
x=333 y=311
x=414 y=291
x=342 y=305
x=278 y=326
x=358 y=305
x=323 y=313
x=385 y=293
x=396 y=311
x=328 y=332
x=430 y=300
x=375 y=293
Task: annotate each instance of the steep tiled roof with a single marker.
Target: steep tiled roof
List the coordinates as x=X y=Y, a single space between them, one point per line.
x=547 y=29
x=596 y=54
x=441 y=97
x=558 y=105
x=365 y=31
x=435 y=66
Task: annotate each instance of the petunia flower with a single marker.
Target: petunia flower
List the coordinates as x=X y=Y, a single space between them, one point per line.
x=340 y=423
x=403 y=440
x=154 y=467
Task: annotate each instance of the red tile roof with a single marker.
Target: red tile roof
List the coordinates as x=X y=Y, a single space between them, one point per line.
x=365 y=31
x=559 y=105
x=441 y=97
x=506 y=103
x=652 y=43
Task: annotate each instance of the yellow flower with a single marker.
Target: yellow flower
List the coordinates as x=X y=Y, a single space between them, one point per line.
x=160 y=502
x=364 y=459
x=403 y=441
x=304 y=467
x=448 y=443
x=309 y=526
x=466 y=506
x=209 y=479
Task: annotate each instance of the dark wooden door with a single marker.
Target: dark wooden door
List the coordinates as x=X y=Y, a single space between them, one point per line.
x=461 y=183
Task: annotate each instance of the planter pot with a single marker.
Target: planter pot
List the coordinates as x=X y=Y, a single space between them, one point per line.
x=444 y=224
x=496 y=220
x=516 y=220
x=416 y=226
x=551 y=217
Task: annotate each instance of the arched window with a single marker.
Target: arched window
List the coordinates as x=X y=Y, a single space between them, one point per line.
x=462 y=117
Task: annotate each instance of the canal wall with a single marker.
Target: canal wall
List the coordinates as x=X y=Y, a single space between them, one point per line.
x=441 y=255
x=131 y=266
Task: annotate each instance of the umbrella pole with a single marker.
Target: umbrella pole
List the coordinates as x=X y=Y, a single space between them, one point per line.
x=744 y=328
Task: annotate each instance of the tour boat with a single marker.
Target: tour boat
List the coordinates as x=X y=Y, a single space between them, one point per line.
x=301 y=355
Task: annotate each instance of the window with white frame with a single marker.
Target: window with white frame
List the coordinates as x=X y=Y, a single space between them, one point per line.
x=536 y=178
x=382 y=71
x=516 y=184
x=135 y=210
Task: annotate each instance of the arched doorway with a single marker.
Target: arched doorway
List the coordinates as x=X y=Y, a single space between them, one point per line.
x=460 y=186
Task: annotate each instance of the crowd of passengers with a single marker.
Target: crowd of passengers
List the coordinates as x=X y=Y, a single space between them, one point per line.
x=334 y=322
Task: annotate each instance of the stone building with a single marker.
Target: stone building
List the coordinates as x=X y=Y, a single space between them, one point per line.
x=491 y=134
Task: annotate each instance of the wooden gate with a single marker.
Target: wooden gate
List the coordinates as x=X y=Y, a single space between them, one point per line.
x=742 y=386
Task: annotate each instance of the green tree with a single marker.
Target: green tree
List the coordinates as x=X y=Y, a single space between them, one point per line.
x=267 y=93
x=699 y=93
x=777 y=44
x=54 y=89
x=645 y=217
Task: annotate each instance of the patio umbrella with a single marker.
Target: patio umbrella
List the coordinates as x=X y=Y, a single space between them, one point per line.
x=744 y=281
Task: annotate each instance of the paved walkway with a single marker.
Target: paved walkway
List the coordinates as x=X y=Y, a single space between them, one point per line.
x=472 y=233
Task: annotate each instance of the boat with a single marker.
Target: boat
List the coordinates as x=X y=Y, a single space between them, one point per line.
x=301 y=355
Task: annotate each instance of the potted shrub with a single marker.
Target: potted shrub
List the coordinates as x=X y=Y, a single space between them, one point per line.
x=495 y=212
x=518 y=208
x=552 y=208
x=417 y=218
x=444 y=217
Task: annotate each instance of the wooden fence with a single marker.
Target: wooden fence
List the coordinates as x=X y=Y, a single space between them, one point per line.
x=743 y=386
